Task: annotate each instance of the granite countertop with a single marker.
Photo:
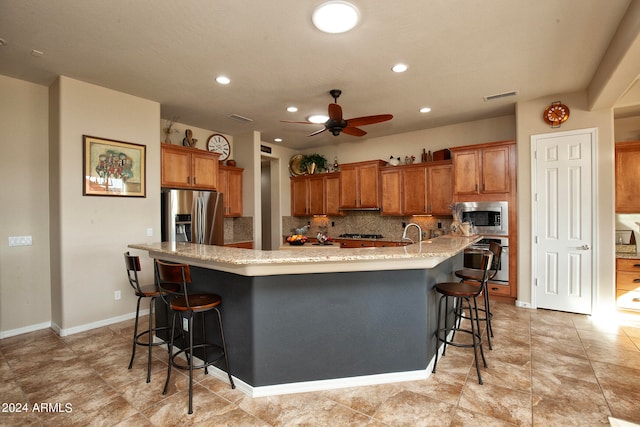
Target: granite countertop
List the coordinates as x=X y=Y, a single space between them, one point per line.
x=628 y=255
x=249 y=262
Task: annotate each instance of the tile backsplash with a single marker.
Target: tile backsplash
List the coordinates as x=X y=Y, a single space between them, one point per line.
x=363 y=222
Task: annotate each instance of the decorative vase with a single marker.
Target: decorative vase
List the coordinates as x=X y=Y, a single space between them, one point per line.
x=311 y=168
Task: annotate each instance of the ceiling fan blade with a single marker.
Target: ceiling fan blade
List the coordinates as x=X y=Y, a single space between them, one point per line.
x=350 y=130
x=369 y=120
x=317 y=132
x=335 y=112
x=302 y=123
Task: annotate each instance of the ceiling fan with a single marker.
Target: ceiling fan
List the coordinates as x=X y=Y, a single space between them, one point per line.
x=337 y=123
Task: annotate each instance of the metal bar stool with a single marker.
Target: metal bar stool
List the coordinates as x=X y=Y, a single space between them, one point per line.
x=468 y=294
x=132 y=264
x=186 y=306
x=474 y=275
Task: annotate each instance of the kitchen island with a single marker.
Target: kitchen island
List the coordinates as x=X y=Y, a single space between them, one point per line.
x=316 y=319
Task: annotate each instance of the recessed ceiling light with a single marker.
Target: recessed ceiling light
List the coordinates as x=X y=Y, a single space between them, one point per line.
x=399 y=68
x=292 y=109
x=277 y=139
x=223 y=80
x=425 y=109
x=335 y=17
x=318 y=118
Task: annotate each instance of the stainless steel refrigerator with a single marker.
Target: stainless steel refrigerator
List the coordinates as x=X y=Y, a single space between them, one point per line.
x=192 y=216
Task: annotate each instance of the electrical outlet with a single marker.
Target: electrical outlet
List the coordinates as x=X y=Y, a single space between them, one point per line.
x=185 y=324
x=117 y=295
x=149 y=232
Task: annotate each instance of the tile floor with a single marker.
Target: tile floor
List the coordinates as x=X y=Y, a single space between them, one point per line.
x=546 y=368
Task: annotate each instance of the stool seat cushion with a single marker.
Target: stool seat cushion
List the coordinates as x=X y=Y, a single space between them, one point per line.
x=197 y=302
x=472 y=274
x=457 y=289
x=148 y=291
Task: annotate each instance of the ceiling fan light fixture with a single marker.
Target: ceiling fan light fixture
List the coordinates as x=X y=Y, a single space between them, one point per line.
x=318 y=118
x=292 y=109
x=335 y=17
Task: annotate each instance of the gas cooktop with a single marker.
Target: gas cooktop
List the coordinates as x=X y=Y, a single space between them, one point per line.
x=361 y=236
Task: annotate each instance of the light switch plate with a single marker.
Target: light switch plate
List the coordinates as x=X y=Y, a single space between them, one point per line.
x=20 y=241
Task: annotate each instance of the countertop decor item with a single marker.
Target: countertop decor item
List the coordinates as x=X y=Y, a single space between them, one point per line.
x=219 y=144
x=189 y=140
x=231 y=163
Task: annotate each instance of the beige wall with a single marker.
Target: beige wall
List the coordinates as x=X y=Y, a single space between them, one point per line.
x=529 y=122
x=91 y=233
x=25 y=298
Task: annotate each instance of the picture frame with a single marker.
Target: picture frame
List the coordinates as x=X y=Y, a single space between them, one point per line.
x=113 y=168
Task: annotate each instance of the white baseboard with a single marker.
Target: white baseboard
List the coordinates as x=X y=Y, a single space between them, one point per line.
x=523 y=304
x=24 y=330
x=63 y=332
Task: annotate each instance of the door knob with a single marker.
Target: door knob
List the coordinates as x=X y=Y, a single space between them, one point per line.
x=583 y=248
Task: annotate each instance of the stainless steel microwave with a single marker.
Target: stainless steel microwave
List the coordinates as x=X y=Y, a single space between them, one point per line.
x=488 y=218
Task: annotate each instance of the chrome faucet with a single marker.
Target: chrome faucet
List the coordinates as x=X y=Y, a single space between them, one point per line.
x=404 y=234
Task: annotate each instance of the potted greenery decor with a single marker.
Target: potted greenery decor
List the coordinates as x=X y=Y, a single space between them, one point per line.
x=313 y=162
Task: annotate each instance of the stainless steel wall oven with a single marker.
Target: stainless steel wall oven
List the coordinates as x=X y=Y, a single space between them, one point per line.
x=473 y=257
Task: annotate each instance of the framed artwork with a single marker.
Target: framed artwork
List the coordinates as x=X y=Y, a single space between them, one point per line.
x=113 y=168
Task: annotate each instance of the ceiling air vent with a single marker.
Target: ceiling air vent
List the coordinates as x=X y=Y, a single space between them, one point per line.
x=240 y=118
x=500 y=95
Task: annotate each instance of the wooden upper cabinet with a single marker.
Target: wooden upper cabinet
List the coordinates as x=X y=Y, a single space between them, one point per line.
x=230 y=184
x=628 y=177
x=483 y=168
x=414 y=191
x=391 y=184
x=440 y=189
x=183 y=167
x=420 y=189
x=359 y=185
x=315 y=194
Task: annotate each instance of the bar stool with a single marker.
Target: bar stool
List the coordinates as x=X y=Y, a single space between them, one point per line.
x=132 y=263
x=467 y=294
x=186 y=306
x=474 y=275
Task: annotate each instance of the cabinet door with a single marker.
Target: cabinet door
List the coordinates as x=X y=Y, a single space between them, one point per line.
x=495 y=170
x=315 y=189
x=332 y=195
x=176 y=168
x=466 y=172
x=368 y=186
x=233 y=196
x=299 y=203
x=627 y=177
x=414 y=190
x=348 y=182
x=391 y=182
x=204 y=167
x=440 y=189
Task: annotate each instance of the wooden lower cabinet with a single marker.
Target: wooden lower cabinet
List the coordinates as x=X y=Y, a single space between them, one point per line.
x=242 y=245
x=355 y=243
x=628 y=283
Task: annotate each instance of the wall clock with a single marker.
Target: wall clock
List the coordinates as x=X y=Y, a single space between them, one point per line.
x=556 y=114
x=219 y=144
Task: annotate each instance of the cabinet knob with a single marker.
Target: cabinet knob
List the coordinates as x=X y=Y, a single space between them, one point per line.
x=636 y=280
x=495 y=289
x=636 y=265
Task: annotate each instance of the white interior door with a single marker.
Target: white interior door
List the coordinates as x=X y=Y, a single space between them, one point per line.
x=563 y=220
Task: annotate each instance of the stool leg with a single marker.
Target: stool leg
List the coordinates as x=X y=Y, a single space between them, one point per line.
x=474 y=336
x=204 y=340
x=224 y=348
x=435 y=363
x=170 y=345
x=446 y=324
x=135 y=334
x=190 y=363
x=487 y=316
x=151 y=304
x=484 y=361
